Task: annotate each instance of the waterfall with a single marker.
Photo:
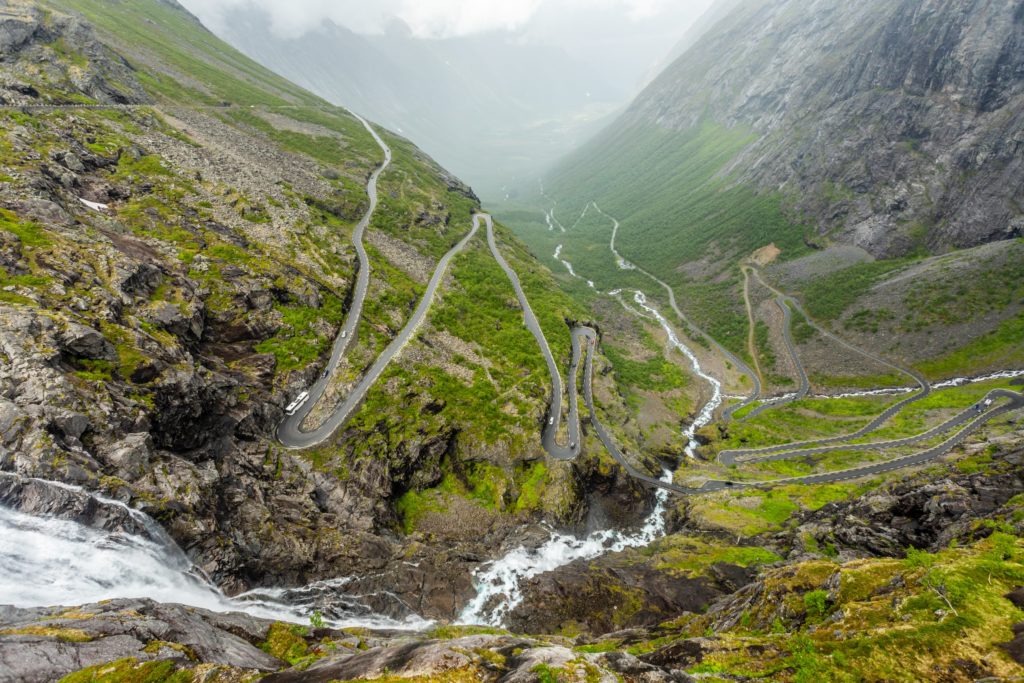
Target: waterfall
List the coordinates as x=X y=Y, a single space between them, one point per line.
x=48 y=561
x=499 y=583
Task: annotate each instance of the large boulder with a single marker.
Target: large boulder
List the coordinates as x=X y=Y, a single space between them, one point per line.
x=42 y=645
x=85 y=342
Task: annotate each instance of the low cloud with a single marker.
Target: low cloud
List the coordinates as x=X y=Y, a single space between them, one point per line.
x=425 y=18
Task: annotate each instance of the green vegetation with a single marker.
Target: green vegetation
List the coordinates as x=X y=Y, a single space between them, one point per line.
x=172 y=36
x=803 y=332
x=64 y=635
x=287 y=642
x=652 y=374
x=666 y=189
x=828 y=296
x=805 y=419
x=327 y=149
x=897 y=621
x=960 y=293
x=1002 y=348
x=453 y=631
x=816 y=603
x=30 y=234
x=763 y=345
x=307 y=333
x=931 y=410
x=750 y=514
x=688 y=556
x=131 y=671
x=533 y=483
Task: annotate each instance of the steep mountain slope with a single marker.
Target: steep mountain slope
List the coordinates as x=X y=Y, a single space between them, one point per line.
x=176 y=257
x=892 y=127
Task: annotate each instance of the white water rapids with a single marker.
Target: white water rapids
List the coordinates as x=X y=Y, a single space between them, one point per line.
x=707 y=413
x=499 y=582
x=46 y=561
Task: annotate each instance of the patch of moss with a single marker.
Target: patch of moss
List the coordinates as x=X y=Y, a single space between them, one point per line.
x=453 y=631
x=65 y=635
x=130 y=670
x=30 y=234
x=287 y=642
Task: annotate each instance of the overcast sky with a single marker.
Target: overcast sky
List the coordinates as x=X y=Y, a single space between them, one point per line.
x=635 y=34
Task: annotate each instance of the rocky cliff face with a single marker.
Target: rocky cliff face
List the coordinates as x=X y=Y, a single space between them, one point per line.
x=895 y=126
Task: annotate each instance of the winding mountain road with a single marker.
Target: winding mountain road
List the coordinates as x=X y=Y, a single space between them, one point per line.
x=926 y=388
x=554 y=416
x=290 y=431
x=729 y=457
x=292 y=436
x=805 y=382
x=1016 y=402
x=787 y=303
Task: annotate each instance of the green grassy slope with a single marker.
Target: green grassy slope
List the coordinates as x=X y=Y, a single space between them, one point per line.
x=673 y=193
x=284 y=226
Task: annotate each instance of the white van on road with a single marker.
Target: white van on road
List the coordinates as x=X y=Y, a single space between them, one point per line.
x=299 y=401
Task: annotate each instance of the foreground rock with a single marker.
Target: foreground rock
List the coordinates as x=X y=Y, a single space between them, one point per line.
x=139 y=638
x=44 y=644
x=610 y=593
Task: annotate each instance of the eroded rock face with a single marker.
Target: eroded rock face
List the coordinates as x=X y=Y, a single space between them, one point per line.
x=42 y=645
x=919 y=514
x=606 y=595
x=895 y=124
x=107 y=78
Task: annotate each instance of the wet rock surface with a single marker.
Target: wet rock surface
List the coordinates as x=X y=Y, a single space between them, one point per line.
x=44 y=644
x=605 y=595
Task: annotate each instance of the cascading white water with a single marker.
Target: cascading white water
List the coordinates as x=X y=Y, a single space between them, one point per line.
x=568 y=266
x=499 y=582
x=707 y=413
x=946 y=384
x=46 y=561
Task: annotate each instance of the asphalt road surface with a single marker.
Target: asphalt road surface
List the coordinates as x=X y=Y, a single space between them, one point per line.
x=729 y=457
x=554 y=416
x=293 y=437
x=290 y=431
x=805 y=382
x=885 y=416
x=1016 y=402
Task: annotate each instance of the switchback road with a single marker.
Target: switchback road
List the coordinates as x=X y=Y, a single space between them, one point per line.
x=290 y=432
